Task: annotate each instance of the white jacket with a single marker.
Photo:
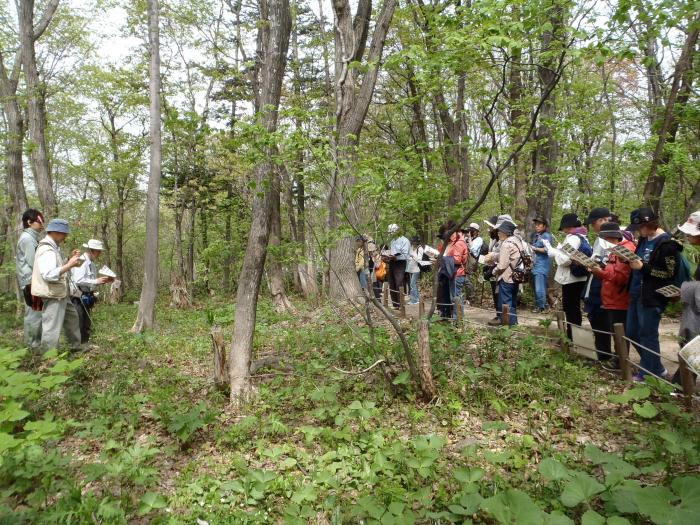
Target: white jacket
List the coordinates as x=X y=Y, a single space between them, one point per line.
x=563 y=275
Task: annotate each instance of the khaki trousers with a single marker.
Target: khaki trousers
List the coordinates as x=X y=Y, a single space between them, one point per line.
x=57 y=314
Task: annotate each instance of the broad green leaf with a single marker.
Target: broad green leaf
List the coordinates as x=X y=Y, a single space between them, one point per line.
x=557 y=518
x=591 y=517
x=618 y=520
x=151 y=501
x=647 y=410
x=514 y=507
x=465 y=475
x=402 y=378
x=553 y=470
x=688 y=488
x=581 y=488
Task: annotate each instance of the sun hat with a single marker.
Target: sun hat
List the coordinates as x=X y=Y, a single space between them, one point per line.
x=94 y=244
x=393 y=228
x=475 y=226
x=491 y=223
x=569 y=220
x=597 y=213
x=692 y=225
x=58 y=225
x=610 y=229
x=506 y=227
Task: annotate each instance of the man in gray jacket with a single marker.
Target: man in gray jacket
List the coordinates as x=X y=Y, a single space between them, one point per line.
x=33 y=223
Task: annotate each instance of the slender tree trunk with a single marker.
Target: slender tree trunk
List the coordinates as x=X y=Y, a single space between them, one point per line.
x=275 y=271
x=680 y=91
x=145 y=318
x=228 y=260
x=13 y=157
x=515 y=94
x=36 y=111
x=273 y=31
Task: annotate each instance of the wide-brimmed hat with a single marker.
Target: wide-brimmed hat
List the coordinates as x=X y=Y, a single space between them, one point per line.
x=569 y=220
x=58 y=225
x=507 y=227
x=491 y=223
x=393 y=228
x=597 y=213
x=692 y=225
x=94 y=244
x=475 y=226
x=641 y=216
x=610 y=229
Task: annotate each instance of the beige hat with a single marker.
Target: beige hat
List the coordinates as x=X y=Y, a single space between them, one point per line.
x=692 y=225
x=94 y=244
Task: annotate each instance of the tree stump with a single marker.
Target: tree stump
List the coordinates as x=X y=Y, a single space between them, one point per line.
x=115 y=292
x=425 y=368
x=221 y=375
x=180 y=294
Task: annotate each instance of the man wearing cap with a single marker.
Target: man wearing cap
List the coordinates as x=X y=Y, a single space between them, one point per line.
x=660 y=260
x=592 y=301
x=542 y=265
x=50 y=283
x=85 y=279
x=33 y=223
x=399 y=250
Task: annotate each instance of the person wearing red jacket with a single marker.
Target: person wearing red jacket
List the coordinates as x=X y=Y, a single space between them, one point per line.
x=615 y=277
x=458 y=250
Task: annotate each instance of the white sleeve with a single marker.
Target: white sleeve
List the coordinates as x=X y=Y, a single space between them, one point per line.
x=560 y=257
x=47 y=267
x=431 y=251
x=79 y=275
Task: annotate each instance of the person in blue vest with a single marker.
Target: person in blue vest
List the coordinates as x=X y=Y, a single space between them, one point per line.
x=542 y=265
x=660 y=256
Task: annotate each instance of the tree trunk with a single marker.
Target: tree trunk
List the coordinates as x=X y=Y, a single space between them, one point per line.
x=274 y=268
x=273 y=41
x=36 y=111
x=680 y=91
x=515 y=95
x=146 y=315
x=350 y=111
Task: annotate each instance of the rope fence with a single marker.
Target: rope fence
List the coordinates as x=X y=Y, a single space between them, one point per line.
x=620 y=340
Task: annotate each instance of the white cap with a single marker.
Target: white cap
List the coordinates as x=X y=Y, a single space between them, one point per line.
x=94 y=244
x=692 y=225
x=474 y=226
x=393 y=228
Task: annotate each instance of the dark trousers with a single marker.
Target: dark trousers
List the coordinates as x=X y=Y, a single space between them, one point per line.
x=84 y=318
x=571 y=303
x=397 y=281
x=598 y=317
x=614 y=317
x=509 y=295
x=444 y=296
x=496 y=297
x=643 y=328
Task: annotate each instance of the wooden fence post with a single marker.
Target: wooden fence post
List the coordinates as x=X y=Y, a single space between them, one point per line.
x=687 y=382
x=425 y=368
x=402 y=304
x=421 y=307
x=458 y=310
x=385 y=294
x=623 y=351
x=561 y=325
x=221 y=375
x=505 y=315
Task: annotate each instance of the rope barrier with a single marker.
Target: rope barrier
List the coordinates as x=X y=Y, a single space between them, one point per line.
x=640 y=367
x=638 y=346
x=589 y=329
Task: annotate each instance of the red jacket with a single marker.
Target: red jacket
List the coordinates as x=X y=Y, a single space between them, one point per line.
x=458 y=249
x=615 y=293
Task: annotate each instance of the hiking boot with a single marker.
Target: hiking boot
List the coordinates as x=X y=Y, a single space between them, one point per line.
x=495 y=322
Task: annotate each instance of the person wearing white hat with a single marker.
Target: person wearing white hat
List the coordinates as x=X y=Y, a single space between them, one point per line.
x=50 y=285
x=86 y=281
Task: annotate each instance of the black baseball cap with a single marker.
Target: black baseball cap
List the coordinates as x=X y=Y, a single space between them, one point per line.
x=641 y=216
x=597 y=213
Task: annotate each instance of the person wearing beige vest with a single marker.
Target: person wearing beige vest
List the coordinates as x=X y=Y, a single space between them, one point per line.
x=50 y=282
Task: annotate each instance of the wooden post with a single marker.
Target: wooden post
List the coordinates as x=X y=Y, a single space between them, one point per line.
x=458 y=310
x=561 y=325
x=425 y=368
x=687 y=382
x=421 y=307
x=505 y=315
x=402 y=304
x=385 y=294
x=221 y=374
x=623 y=351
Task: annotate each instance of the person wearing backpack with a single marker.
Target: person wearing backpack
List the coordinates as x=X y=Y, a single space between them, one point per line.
x=413 y=268
x=661 y=259
x=571 y=277
x=542 y=265
x=510 y=269
x=592 y=301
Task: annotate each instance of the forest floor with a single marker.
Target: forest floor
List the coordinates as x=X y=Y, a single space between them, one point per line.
x=520 y=432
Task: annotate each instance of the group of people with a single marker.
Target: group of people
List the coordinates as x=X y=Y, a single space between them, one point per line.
x=613 y=289
x=58 y=291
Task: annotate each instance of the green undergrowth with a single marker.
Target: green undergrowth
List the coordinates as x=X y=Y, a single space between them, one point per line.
x=135 y=431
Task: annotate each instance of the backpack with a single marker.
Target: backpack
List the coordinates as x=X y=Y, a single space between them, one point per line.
x=576 y=269
x=380 y=271
x=484 y=250
x=523 y=270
